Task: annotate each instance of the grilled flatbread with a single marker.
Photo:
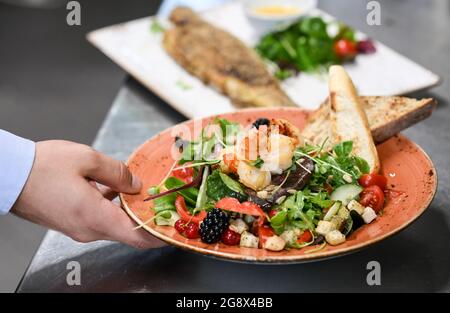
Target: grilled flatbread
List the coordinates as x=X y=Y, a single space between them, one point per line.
x=387 y=116
x=348 y=119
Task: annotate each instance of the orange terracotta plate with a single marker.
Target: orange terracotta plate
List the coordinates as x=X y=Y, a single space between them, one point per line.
x=408 y=169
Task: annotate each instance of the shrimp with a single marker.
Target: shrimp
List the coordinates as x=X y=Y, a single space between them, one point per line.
x=274 y=145
x=286 y=128
x=253 y=177
x=278 y=157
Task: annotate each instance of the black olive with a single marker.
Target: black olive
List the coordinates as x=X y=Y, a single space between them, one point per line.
x=261 y=121
x=318 y=240
x=357 y=220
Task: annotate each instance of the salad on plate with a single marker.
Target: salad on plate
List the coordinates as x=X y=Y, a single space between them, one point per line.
x=263 y=186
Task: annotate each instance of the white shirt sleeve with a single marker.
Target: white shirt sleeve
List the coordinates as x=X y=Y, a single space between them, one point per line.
x=16 y=161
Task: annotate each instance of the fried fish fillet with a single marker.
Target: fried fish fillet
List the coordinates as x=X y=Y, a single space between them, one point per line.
x=222 y=61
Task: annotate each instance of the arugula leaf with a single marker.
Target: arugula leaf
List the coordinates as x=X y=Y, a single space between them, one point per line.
x=277 y=222
x=331 y=168
x=321 y=200
x=279 y=218
x=303 y=209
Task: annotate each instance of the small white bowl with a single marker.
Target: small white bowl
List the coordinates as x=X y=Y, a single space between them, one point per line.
x=297 y=9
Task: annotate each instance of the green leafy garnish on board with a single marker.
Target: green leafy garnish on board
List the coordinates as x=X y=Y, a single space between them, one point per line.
x=183 y=85
x=156 y=27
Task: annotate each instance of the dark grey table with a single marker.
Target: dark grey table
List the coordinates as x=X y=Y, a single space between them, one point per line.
x=417 y=259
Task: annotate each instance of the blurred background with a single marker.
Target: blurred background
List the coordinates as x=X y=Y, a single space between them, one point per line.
x=55 y=85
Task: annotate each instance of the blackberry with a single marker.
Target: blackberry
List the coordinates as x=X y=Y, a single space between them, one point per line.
x=261 y=121
x=213 y=226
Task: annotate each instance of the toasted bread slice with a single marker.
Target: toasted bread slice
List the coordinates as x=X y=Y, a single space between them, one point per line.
x=387 y=116
x=348 y=119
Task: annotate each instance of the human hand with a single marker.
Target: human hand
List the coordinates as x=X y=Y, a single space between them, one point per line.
x=62 y=194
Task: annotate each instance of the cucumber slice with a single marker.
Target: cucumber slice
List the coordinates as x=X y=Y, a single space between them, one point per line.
x=332 y=211
x=345 y=193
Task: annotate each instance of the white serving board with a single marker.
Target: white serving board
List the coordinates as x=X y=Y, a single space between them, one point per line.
x=139 y=51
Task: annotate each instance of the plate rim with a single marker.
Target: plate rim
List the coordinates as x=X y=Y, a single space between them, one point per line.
x=285 y=259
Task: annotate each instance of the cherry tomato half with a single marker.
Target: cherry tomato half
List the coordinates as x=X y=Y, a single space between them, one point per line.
x=345 y=49
x=373 y=197
x=306 y=236
x=185 y=174
x=367 y=180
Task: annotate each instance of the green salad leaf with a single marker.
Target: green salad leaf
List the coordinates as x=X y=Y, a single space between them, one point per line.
x=219 y=185
x=203 y=149
x=301 y=210
x=189 y=194
x=306 y=46
x=164 y=203
x=330 y=167
x=229 y=129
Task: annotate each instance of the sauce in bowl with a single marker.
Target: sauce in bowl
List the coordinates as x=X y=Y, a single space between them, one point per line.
x=277 y=10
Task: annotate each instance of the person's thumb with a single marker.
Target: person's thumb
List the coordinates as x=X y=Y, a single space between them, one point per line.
x=113 y=174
